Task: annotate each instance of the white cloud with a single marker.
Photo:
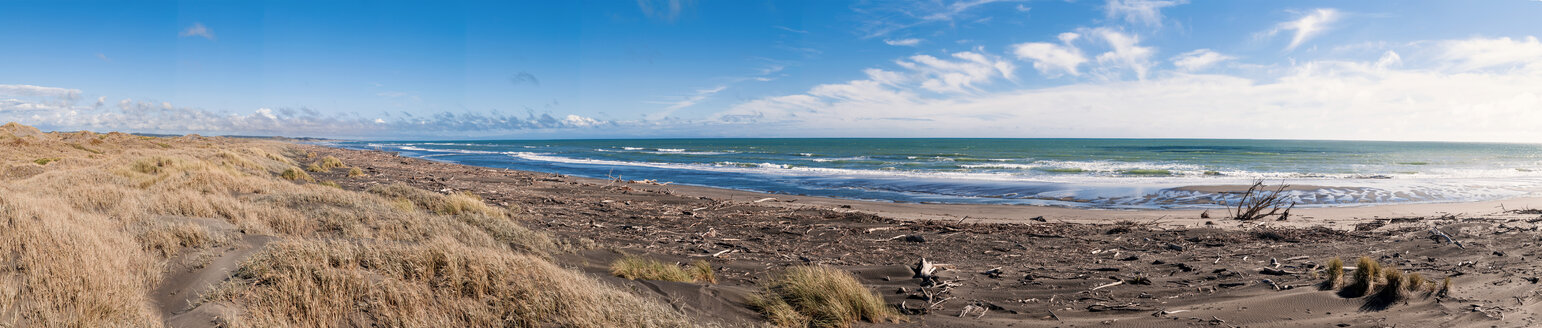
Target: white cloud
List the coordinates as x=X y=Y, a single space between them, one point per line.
x=1126 y=53
x=903 y=42
x=958 y=76
x=22 y=97
x=1478 y=53
x=198 y=30
x=1052 y=59
x=1309 y=25
x=887 y=17
x=1198 y=59
x=1147 y=12
x=1456 y=95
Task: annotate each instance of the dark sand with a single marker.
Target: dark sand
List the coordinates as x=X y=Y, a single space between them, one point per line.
x=1201 y=272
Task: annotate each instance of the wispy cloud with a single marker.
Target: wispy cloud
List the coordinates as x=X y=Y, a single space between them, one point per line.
x=1479 y=89
x=1126 y=53
x=1051 y=59
x=56 y=108
x=1146 y=12
x=789 y=29
x=198 y=30
x=884 y=17
x=1198 y=59
x=960 y=75
x=665 y=10
x=524 y=78
x=911 y=42
x=1309 y=25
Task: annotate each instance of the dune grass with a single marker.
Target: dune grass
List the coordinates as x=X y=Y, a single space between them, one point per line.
x=639 y=268
x=1335 y=273
x=355 y=172
x=820 y=296
x=329 y=163
x=1364 y=279
x=88 y=238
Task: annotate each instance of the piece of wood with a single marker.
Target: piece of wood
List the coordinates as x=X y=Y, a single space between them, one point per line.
x=1448 y=238
x=1116 y=283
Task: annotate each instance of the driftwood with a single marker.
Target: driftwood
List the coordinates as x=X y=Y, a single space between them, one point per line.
x=1116 y=283
x=1448 y=238
x=1258 y=199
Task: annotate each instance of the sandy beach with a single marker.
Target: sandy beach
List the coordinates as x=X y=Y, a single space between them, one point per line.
x=116 y=229
x=1025 y=265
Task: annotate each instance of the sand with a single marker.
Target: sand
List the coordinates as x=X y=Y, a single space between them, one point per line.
x=1025 y=266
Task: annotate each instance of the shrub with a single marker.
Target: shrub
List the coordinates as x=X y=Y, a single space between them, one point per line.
x=820 y=296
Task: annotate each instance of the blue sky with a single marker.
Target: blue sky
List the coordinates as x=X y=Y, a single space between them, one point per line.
x=1379 y=70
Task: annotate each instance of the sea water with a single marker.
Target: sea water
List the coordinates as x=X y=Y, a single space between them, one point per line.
x=1091 y=173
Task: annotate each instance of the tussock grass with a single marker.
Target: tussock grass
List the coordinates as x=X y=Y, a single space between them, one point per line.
x=355 y=172
x=1364 y=279
x=451 y=204
x=330 y=184
x=820 y=296
x=640 y=268
x=437 y=283
x=1416 y=283
x=86 y=241
x=329 y=163
x=313 y=167
x=1445 y=288
x=295 y=174
x=1335 y=273
x=1393 y=287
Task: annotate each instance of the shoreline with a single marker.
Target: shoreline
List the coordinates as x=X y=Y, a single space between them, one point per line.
x=1186 y=270
x=1344 y=216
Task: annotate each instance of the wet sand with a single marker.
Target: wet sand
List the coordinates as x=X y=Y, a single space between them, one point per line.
x=1026 y=266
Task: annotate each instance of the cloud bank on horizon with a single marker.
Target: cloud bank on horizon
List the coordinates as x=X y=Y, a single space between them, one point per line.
x=969 y=68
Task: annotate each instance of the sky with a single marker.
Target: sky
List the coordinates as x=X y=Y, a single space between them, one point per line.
x=1353 y=70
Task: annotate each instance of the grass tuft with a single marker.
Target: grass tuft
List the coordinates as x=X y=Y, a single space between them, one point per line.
x=330 y=163
x=1364 y=278
x=330 y=184
x=295 y=174
x=1335 y=275
x=315 y=168
x=638 y=268
x=1445 y=288
x=820 y=296
x=45 y=160
x=355 y=172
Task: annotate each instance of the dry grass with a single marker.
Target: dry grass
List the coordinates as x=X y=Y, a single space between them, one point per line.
x=87 y=238
x=329 y=163
x=640 y=268
x=45 y=160
x=295 y=174
x=313 y=167
x=1364 y=279
x=355 y=172
x=1445 y=288
x=440 y=283
x=1335 y=275
x=820 y=296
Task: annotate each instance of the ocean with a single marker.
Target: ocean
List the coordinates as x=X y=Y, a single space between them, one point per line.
x=1083 y=173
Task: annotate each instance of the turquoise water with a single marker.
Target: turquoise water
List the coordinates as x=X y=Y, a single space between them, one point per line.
x=1097 y=173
